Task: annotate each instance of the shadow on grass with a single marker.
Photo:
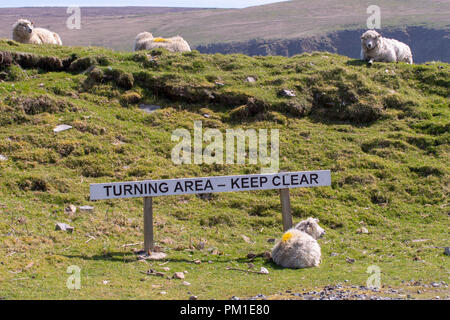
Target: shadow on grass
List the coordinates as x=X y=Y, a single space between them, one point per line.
x=127 y=257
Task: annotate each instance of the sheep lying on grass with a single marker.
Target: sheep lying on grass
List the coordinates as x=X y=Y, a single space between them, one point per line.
x=376 y=48
x=146 y=41
x=298 y=247
x=25 y=32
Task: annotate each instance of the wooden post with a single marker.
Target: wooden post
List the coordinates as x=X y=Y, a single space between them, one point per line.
x=148 y=225
x=286 y=209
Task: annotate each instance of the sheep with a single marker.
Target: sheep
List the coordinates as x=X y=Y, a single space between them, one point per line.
x=376 y=48
x=25 y=32
x=298 y=247
x=146 y=41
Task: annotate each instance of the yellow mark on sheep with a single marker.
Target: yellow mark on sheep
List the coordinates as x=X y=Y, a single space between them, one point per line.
x=160 y=40
x=286 y=236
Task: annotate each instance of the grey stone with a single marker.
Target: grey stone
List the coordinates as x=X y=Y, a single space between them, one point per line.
x=86 y=208
x=178 y=275
x=64 y=227
x=447 y=251
x=3 y=158
x=148 y=108
x=62 y=127
x=250 y=80
x=71 y=209
x=287 y=93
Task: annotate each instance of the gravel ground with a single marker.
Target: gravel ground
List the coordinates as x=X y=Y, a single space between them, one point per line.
x=412 y=290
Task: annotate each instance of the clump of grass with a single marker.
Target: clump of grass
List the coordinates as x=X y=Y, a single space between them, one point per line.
x=130 y=98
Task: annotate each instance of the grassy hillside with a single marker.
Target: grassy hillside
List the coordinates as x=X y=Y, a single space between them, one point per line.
x=383 y=132
x=286 y=20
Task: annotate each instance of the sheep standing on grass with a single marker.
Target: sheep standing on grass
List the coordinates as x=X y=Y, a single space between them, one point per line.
x=376 y=48
x=146 y=41
x=298 y=247
x=25 y=32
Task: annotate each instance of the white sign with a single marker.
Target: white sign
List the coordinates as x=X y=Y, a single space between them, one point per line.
x=154 y=188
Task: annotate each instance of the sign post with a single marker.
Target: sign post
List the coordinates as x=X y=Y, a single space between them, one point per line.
x=286 y=209
x=148 y=224
x=153 y=188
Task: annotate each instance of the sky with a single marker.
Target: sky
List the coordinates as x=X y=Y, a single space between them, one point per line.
x=146 y=3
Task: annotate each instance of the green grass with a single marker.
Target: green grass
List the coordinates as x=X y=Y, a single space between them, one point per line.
x=382 y=131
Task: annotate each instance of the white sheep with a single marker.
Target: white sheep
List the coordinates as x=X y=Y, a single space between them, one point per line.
x=146 y=41
x=376 y=48
x=25 y=32
x=298 y=247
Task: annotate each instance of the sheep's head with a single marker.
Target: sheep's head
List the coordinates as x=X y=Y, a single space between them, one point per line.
x=370 y=39
x=24 y=27
x=311 y=227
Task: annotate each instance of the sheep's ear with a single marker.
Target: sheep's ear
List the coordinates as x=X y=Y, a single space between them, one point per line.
x=379 y=36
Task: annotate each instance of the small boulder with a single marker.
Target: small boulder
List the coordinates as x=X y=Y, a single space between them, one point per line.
x=71 y=209
x=362 y=230
x=178 y=275
x=86 y=208
x=447 y=251
x=62 y=127
x=148 y=108
x=287 y=93
x=264 y=270
x=64 y=227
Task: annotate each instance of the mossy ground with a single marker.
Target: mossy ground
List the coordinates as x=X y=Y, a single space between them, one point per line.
x=382 y=131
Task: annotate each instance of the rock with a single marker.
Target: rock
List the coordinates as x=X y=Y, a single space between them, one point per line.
x=207 y=115
x=246 y=239
x=193 y=298
x=287 y=93
x=64 y=227
x=220 y=84
x=447 y=251
x=163 y=292
x=71 y=209
x=185 y=283
x=350 y=260
x=3 y=158
x=105 y=281
x=197 y=261
x=251 y=255
x=250 y=80
x=86 y=208
x=178 y=275
x=166 y=269
x=235 y=298
x=62 y=127
x=264 y=270
x=435 y=284
x=271 y=240
x=362 y=230
x=148 y=108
